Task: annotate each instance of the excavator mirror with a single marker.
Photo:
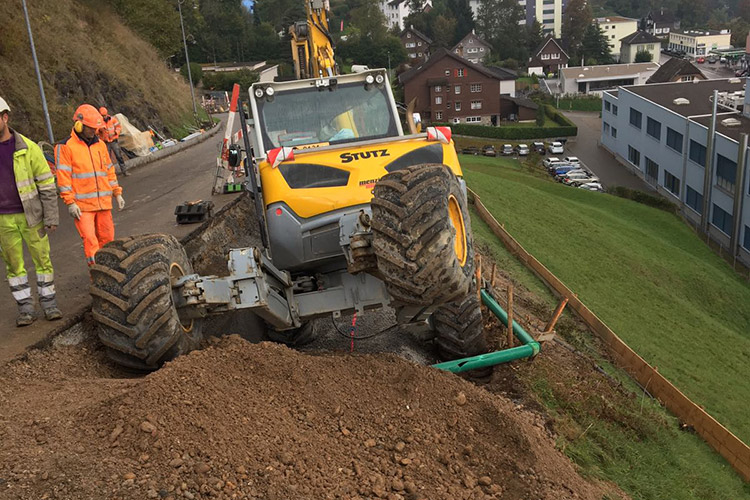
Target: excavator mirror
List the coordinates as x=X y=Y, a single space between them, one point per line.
x=234 y=155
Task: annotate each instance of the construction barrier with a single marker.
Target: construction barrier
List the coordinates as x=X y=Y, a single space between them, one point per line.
x=736 y=452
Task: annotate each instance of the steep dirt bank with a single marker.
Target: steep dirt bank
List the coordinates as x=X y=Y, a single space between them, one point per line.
x=86 y=55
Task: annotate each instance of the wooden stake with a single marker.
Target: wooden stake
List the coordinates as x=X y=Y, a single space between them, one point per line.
x=510 y=316
x=492 y=278
x=556 y=316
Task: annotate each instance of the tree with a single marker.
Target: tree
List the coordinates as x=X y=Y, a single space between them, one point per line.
x=595 y=45
x=464 y=18
x=445 y=29
x=540 y=116
x=154 y=20
x=577 y=18
x=498 y=23
x=534 y=36
x=196 y=72
x=743 y=10
x=643 y=56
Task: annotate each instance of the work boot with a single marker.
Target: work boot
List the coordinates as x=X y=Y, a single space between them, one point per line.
x=124 y=172
x=25 y=319
x=52 y=314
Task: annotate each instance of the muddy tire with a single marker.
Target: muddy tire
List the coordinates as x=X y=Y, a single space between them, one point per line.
x=293 y=338
x=422 y=235
x=132 y=301
x=459 y=328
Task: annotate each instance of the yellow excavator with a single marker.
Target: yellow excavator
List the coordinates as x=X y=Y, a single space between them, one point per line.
x=352 y=215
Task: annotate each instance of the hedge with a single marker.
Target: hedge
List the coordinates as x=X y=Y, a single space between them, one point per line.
x=651 y=200
x=566 y=129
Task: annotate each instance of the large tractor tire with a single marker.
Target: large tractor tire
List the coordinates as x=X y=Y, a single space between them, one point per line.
x=296 y=337
x=459 y=329
x=132 y=301
x=422 y=235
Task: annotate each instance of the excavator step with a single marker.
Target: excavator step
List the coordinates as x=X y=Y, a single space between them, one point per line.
x=191 y=212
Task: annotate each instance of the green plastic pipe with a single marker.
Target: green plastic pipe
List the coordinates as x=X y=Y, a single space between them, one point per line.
x=529 y=348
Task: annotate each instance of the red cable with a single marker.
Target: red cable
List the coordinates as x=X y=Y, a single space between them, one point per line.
x=351 y=332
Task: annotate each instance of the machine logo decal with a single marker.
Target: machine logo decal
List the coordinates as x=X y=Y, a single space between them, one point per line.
x=369 y=183
x=376 y=153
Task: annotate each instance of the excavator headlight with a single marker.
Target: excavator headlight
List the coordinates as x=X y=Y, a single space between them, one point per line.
x=270 y=91
x=379 y=79
x=369 y=79
x=259 y=92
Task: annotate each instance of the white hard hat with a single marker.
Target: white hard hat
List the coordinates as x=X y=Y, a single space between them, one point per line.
x=4 y=105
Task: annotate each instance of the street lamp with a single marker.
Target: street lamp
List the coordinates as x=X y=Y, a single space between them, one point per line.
x=187 y=58
x=38 y=75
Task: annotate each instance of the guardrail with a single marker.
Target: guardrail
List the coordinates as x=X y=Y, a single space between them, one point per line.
x=721 y=439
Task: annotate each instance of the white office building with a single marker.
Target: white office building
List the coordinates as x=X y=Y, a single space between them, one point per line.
x=396 y=11
x=666 y=134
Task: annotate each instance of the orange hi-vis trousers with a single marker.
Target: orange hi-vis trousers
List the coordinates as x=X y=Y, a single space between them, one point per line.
x=96 y=230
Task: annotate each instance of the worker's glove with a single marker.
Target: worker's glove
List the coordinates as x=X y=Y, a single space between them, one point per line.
x=120 y=202
x=74 y=211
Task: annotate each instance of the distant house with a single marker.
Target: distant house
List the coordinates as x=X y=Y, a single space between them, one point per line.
x=660 y=22
x=550 y=58
x=640 y=41
x=473 y=48
x=416 y=43
x=595 y=79
x=676 y=70
x=615 y=28
x=449 y=88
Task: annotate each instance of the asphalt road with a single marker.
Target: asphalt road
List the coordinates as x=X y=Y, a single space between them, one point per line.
x=586 y=147
x=151 y=194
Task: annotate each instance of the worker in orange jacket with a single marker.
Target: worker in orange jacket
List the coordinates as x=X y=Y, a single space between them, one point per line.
x=87 y=181
x=110 y=133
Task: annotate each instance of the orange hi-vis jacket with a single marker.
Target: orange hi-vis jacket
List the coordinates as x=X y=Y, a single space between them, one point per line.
x=111 y=130
x=85 y=174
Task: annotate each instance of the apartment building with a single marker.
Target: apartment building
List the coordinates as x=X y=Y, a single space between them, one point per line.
x=396 y=11
x=697 y=43
x=616 y=28
x=665 y=133
x=549 y=13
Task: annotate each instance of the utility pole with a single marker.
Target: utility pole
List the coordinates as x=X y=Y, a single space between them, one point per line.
x=187 y=59
x=38 y=75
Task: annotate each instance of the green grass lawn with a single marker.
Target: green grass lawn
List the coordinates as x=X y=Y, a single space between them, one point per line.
x=663 y=291
x=643 y=272
x=580 y=104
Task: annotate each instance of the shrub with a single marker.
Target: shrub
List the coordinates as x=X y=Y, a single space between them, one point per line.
x=510 y=132
x=651 y=200
x=196 y=72
x=226 y=80
x=540 y=117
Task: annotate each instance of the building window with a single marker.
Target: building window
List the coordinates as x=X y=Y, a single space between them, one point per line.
x=460 y=72
x=476 y=104
x=419 y=44
x=607 y=106
x=672 y=183
x=674 y=140
x=653 y=128
x=438 y=100
x=694 y=199
x=475 y=87
x=634 y=156
x=410 y=45
x=614 y=132
x=473 y=119
x=457 y=89
x=652 y=171
x=688 y=78
x=698 y=153
x=447 y=72
x=438 y=88
x=726 y=173
x=438 y=115
x=606 y=127
x=614 y=109
x=722 y=220
x=458 y=106
x=636 y=117
x=746 y=242
x=481 y=49
x=456 y=121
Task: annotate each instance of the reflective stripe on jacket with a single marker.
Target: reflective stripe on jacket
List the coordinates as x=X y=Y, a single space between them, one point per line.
x=85 y=175
x=111 y=130
x=35 y=183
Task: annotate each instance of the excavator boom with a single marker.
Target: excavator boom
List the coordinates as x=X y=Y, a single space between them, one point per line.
x=312 y=45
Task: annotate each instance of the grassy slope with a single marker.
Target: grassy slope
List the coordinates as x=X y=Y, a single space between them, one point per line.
x=633 y=265
x=86 y=55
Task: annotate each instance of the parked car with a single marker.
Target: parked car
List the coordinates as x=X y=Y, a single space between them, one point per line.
x=507 y=150
x=522 y=150
x=723 y=60
x=556 y=148
x=700 y=59
x=578 y=178
x=592 y=186
x=489 y=150
x=712 y=59
x=563 y=169
x=471 y=150
x=571 y=159
x=550 y=161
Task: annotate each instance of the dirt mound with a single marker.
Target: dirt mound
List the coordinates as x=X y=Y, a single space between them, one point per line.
x=241 y=420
